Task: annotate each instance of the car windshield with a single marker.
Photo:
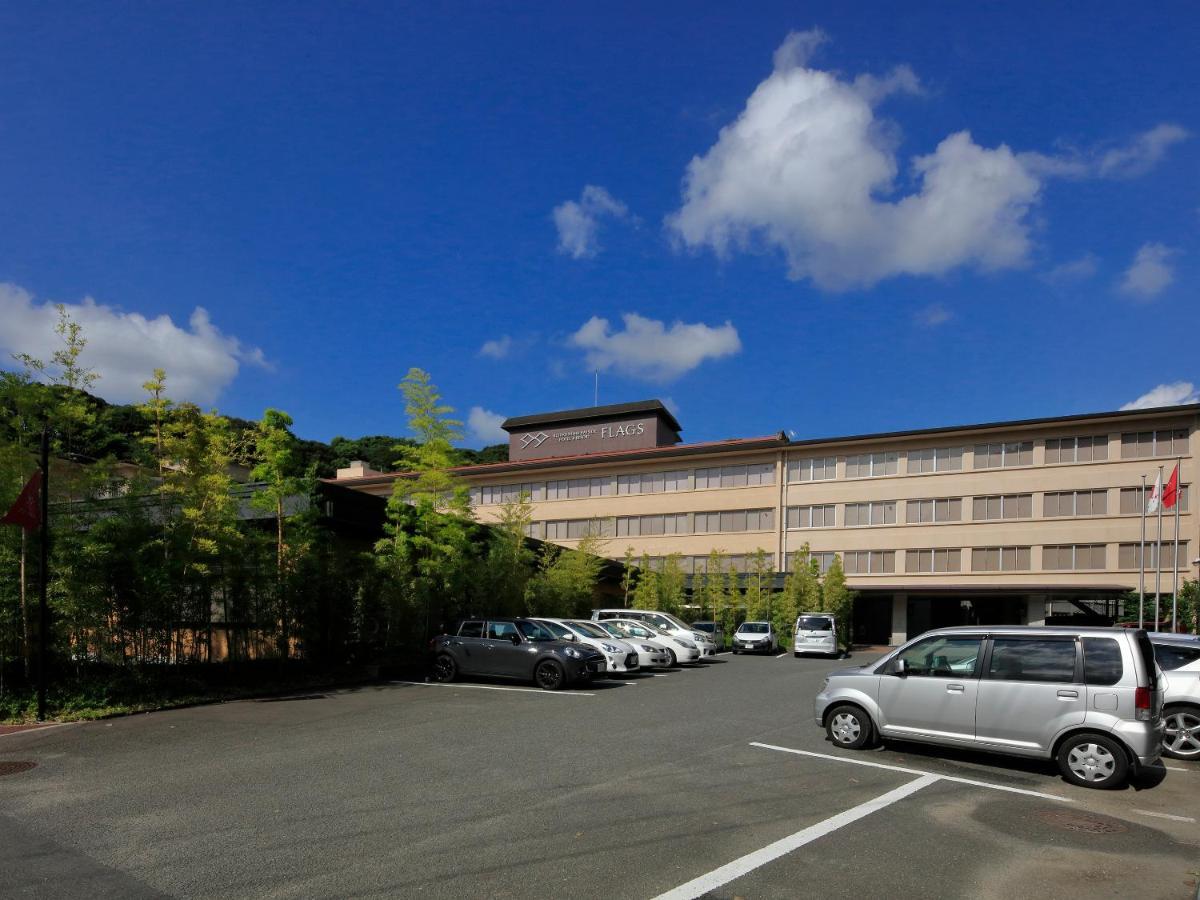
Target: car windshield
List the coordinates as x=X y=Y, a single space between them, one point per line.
x=532 y=631
x=659 y=621
x=754 y=628
x=676 y=623
x=557 y=630
x=591 y=629
x=816 y=623
x=710 y=627
x=635 y=630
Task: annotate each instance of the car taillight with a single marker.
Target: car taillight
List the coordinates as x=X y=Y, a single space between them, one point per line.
x=1141 y=704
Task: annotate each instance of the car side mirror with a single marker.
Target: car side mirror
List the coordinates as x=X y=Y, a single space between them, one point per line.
x=516 y=639
x=898 y=667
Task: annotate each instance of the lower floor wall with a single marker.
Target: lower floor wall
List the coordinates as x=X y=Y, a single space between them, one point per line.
x=893 y=618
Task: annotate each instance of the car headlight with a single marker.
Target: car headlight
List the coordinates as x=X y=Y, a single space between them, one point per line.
x=649 y=649
x=687 y=644
x=572 y=652
x=698 y=638
x=611 y=648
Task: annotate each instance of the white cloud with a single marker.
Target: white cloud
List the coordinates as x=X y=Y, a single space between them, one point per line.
x=809 y=169
x=650 y=350
x=1166 y=395
x=497 y=349
x=578 y=222
x=1149 y=274
x=124 y=348
x=933 y=315
x=1136 y=158
x=485 y=426
x=1074 y=270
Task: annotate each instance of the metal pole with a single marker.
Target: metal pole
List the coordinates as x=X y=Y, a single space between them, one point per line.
x=43 y=614
x=1158 y=556
x=1142 y=564
x=1175 y=557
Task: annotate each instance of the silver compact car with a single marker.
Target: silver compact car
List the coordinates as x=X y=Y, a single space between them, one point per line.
x=1178 y=656
x=1090 y=698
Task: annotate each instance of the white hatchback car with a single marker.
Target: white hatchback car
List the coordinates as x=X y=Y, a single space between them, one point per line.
x=755 y=637
x=681 y=650
x=652 y=654
x=621 y=655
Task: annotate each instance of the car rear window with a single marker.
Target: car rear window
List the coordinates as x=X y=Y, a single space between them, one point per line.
x=816 y=623
x=1102 y=661
x=1146 y=652
x=1038 y=659
x=1172 y=656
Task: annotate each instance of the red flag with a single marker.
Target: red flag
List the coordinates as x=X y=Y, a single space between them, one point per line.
x=27 y=511
x=1171 y=491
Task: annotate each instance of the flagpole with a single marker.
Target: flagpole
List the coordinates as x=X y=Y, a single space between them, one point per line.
x=43 y=615
x=1158 y=557
x=1142 y=564
x=1175 y=558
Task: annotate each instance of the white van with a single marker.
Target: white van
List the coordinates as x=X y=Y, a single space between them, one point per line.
x=816 y=633
x=664 y=622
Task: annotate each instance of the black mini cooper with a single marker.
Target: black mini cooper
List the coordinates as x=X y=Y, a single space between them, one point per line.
x=513 y=648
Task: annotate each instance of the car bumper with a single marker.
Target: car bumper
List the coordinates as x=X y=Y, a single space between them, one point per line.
x=758 y=647
x=627 y=662
x=814 y=647
x=655 y=660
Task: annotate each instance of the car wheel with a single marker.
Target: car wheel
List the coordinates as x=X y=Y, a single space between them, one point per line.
x=674 y=659
x=445 y=669
x=796 y=654
x=1182 y=738
x=549 y=676
x=1093 y=760
x=735 y=651
x=848 y=726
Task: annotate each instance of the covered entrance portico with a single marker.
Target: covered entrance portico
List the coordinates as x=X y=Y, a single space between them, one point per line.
x=888 y=616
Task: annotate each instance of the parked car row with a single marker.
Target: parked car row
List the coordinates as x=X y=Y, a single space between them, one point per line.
x=1103 y=702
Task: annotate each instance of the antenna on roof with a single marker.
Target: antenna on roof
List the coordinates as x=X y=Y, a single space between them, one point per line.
x=596 y=396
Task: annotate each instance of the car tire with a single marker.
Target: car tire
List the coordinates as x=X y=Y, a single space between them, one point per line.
x=549 y=675
x=735 y=651
x=1183 y=730
x=445 y=669
x=848 y=726
x=796 y=654
x=1093 y=760
x=673 y=657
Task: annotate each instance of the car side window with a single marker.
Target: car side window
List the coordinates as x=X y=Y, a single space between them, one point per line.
x=942 y=657
x=531 y=631
x=1170 y=657
x=470 y=629
x=1032 y=659
x=501 y=630
x=1102 y=661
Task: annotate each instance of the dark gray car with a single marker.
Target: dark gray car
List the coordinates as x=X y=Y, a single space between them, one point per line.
x=513 y=648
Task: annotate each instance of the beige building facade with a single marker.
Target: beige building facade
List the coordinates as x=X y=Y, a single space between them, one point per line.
x=1003 y=522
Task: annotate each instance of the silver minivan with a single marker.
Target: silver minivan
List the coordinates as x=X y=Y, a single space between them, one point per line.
x=815 y=633
x=1090 y=698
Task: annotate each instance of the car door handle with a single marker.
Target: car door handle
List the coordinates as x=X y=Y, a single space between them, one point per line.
x=1068 y=695
x=955 y=688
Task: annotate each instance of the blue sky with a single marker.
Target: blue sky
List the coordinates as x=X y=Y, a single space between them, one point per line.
x=829 y=219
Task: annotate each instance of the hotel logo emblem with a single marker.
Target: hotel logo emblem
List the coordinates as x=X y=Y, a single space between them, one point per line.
x=533 y=440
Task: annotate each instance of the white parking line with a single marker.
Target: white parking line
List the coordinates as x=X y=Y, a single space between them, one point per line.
x=698 y=887
x=489 y=687
x=1158 y=815
x=782 y=655
x=907 y=771
x=1176 y=769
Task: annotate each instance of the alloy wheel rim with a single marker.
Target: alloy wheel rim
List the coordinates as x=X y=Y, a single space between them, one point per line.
x=846 y=728
x=548 y=676
x=445 y=669
x=1091 y=762
x=1183 y=734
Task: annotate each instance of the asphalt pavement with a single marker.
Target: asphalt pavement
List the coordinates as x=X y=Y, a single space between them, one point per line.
x=711 y=781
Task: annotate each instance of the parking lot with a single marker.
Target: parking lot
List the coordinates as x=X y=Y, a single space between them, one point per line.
x=711 y=781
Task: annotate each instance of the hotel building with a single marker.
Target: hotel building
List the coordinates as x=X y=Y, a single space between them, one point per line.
x=1006 y=522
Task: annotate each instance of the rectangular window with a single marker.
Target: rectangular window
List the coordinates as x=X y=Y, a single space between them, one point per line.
x=935 y=459
x=820 y=468
x=810 y=516
x=760 y=474
x=1075 y=503
x=1141 y=444
x=1000 y=559
x=875 y=513
x=708 y=478
x=869 y=465
x=1033 y=659
x=1129 y=556
x=1102 y=663
x=935 y=560
x=823 y=560
x=946 y=509
x=1077 y=449
x=1002 y=506
x=1073 y=557
x=1012 y=453
x=869 y=562
x=733 y=476
x=679 y=480
x=1131 y=500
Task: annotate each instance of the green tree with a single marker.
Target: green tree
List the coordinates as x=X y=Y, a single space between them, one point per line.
x=565 y=582
x=671 y=582
x=838 y=599
x=713 y=591
x=509 y=564
x=156 y=408
x=646 y=594
x=760 y=580
x=1189 y=607
x=628 y=576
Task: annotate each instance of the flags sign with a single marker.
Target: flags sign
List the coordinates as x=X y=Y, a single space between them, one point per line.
x=26 y=512
x=1171 y=492
x=1155 y=500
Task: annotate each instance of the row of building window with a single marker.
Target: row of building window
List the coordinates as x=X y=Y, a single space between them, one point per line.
x=726 y=521
x=1134 y=445
x=939 y=560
